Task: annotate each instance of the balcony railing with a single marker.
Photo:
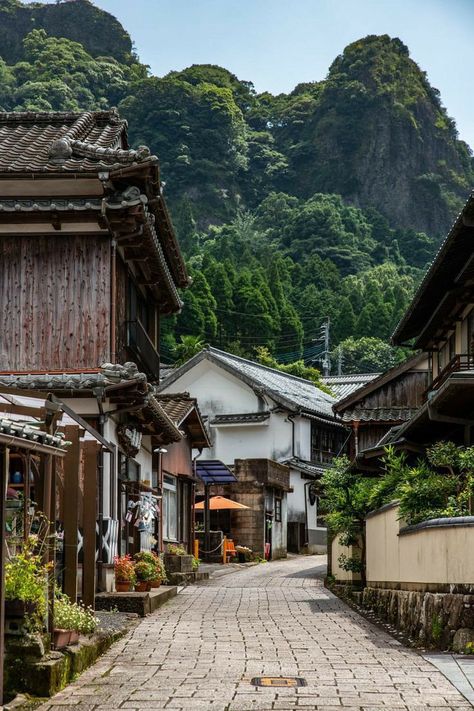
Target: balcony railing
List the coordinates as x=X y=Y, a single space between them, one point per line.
x=457 y=364
x=140 y=344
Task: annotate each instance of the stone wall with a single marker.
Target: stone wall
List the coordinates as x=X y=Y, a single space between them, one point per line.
x=436 y=620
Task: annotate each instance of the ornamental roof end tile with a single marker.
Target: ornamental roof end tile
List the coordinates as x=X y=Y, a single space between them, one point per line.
x=66 y=142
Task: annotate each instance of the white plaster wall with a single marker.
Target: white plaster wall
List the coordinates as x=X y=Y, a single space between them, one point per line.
x=217 y=391
x=279 y=531
x=144 y=458
x=82 y=405
x=303 y=438
x=296 y=509
x=244 y=442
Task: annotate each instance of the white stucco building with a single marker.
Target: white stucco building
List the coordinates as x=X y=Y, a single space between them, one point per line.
x=256 y=412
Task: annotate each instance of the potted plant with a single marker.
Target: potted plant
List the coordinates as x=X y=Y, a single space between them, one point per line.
x=145 y=573
x=154 y=560
x=243 y=553
x=70 y=620
x=26 y=585
x=124 y=570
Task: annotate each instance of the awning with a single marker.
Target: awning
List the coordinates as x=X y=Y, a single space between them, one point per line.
x=214 y=472
x=220 y=503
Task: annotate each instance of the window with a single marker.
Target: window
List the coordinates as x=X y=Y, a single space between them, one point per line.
x=129 y=470
x=140 y=310
x=320 y=522
x=277 y=508
x=170 y=508
x=326 y=443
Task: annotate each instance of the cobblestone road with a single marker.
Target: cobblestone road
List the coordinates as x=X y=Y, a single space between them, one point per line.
x=201 y=650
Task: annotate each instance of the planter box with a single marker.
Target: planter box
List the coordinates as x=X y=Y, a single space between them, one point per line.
x=19 y=608
x=178 y=563
x=61 y=638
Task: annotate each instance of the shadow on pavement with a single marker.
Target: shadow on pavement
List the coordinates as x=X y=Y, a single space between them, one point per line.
x=319 y=571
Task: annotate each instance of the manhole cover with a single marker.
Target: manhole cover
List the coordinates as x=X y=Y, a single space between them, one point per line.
x=287 y=681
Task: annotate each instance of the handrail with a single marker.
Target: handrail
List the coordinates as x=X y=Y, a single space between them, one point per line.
x=460 y=362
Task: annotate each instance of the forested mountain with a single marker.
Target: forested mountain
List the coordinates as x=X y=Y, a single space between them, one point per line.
x=325 y=202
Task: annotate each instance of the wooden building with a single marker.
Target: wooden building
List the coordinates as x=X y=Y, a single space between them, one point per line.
x=178 y=478
x=88 y=264
x=383 y=404
x=440 y=322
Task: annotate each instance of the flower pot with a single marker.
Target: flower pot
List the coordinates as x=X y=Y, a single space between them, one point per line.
x=141 y=586
x=241 y=557
x=61 y=638
x=122 y=585
x=73 y=637
x=20 y=608
x=156 y=583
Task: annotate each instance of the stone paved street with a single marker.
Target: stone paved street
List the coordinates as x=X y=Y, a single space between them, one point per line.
x=202 y=649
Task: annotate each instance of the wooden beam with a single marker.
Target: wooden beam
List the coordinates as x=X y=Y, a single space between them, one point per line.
x=4 y=464
x=72 y=463
x=89 y=522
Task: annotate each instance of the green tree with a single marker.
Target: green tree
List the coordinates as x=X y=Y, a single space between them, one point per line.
x=346 y=503
x=187 y=347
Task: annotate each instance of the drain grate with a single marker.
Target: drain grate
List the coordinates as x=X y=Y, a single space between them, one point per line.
x=286 y=681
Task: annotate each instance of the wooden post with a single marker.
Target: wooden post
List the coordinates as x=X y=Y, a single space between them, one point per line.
x=4 y=463
x=89 y=523
x=72 y=464
x=207 y=523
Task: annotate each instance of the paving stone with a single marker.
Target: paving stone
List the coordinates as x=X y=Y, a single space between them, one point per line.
x=201 y=650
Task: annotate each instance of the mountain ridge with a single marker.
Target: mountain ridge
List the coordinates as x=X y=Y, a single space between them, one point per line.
x=326 y=202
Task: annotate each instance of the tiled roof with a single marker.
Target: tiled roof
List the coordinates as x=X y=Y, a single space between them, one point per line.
x=31 y=433
x=241 y=419
x=343 y=385
x=182 y=409
x=285 y=389
x=305 y=467
x=108 y=375
x=379 y=414
x=177 y=406
x=62 y=141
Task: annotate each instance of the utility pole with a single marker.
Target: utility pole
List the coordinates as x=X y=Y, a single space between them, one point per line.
x=326 y=360
x=324 y=338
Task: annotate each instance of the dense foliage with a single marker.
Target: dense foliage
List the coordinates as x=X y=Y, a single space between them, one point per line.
x=293 y=209
x=440 y=485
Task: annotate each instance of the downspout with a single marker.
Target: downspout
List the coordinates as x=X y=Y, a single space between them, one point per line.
x=290 y=418
x=113 y=302
x=306 y=526
x=355 y=426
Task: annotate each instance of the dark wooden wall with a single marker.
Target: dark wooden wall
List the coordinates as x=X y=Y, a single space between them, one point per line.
x=178 y=458
x=54 y=302
x=405 y=391
x=121 y=272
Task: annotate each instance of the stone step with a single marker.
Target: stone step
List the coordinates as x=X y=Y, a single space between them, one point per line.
x=142 y=603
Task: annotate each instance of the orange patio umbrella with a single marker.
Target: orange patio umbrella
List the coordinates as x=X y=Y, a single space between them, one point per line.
x=219 y=503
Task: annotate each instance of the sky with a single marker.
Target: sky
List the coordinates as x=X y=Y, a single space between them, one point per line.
x=277 y=44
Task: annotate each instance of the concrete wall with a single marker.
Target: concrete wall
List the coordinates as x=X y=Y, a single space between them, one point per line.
x=436 y=557
x=344 y=576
